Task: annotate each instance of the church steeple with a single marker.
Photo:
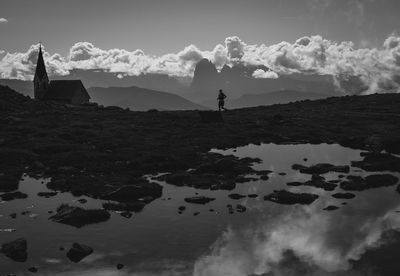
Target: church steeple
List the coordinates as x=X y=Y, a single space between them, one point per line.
x=41 y=80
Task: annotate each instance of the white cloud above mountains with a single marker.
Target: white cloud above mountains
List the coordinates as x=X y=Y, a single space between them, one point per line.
x=366 y=70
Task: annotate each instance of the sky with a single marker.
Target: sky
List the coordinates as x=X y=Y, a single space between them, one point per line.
x=353 y=40
x=164 y=26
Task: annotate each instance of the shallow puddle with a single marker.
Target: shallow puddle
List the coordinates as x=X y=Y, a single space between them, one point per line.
x=267 y=238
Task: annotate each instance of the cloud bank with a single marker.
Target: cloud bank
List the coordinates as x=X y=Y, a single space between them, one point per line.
x=355 y=71
x=3 y=20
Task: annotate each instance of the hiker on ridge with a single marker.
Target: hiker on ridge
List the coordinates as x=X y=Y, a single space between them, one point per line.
x=221 y=100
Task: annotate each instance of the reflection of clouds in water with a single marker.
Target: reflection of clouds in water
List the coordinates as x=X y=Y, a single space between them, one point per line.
x=323 y=241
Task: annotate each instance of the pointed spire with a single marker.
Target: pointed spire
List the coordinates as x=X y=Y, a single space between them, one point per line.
x=40 y=66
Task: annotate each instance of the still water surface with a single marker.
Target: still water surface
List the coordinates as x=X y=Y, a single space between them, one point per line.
x=267 y=239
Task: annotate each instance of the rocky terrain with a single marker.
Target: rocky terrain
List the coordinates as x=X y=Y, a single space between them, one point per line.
x=107 y=152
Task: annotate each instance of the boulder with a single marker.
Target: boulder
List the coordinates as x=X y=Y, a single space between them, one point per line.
x=79 y=252
x=16 y=250
x=78 y=217
x=285 y=197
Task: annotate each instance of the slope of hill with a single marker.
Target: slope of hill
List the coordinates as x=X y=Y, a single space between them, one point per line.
x=277 y=97
x=140 y=99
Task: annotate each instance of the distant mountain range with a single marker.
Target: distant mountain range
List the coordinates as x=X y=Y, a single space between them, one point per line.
x=278 y=97
x=242 y=89
x=140 y=99
x=238 y=81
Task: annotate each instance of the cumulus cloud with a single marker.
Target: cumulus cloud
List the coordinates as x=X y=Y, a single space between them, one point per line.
x=261 y=74
x=355 y=71
x=3 y=20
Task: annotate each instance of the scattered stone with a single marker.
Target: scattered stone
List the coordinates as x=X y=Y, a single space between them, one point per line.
x=196 y=213
x=199 y=199
x=344 y=195
x=285 y=197
x=78 y=252
x=33 y=269
x=211 y=210
x=182 y=208
x=13 y=215
x=252 y=195
x=282 y=173
x=78 y=217
x=236 y=196
x=126 y=214
x=120 y=266
x=331 y=208
x=82 y=201
x=240 y=208
x=16 y=250
x=13 y=195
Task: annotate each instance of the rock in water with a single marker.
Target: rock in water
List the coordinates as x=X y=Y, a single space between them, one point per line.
x=16 y=250
x=199 y=199
x=344 y=195
x=78 y=217
x=134 y=192
x=13 y=195
x=78 y=252
x=285 y=197
x=236 y=196
x=321 y=168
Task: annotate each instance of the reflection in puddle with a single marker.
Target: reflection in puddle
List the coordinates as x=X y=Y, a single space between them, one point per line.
x=267 y=239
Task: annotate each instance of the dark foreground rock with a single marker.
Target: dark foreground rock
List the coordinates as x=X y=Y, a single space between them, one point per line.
x=13 y=195
x=357 y=183
x=285 y=197
x=216 y=171
x=199 y=199
x=16 y=250
x=78 y=217
x=79 y=252
x=321 y=168
x=378 y=162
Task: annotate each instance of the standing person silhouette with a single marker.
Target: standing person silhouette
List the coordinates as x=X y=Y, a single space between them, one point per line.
x=221 y=100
